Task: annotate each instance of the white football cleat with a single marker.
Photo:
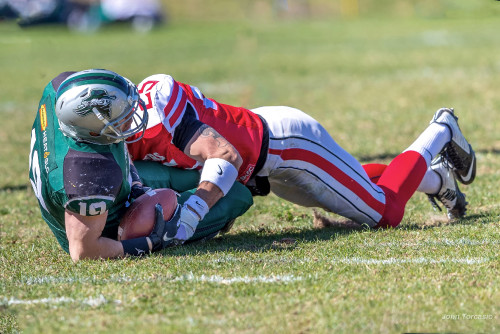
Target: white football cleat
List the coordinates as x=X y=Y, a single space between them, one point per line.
x=449 y=194
x=458 y=151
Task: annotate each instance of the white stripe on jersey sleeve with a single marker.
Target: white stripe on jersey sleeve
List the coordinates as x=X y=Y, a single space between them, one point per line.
x=206 y=102
x=166 y=97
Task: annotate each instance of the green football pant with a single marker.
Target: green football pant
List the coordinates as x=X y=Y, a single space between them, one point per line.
x=236 y=202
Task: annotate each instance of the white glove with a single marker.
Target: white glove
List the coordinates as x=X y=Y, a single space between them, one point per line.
x=186 y=226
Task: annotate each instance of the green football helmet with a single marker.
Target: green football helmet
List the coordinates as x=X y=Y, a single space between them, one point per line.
x=100 y=107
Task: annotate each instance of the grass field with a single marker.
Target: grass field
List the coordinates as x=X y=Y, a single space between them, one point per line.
x=374 y=83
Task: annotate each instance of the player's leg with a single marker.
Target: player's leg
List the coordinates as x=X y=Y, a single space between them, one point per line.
x=438 y=184
x=374 y=171
x=405 y=173
x=306 y=166
x=156 y=175
x=222 y=215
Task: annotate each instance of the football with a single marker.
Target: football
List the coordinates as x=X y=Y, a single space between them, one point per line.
x=139 y=219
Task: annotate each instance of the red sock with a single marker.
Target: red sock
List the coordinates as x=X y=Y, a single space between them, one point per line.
x=399 y=181
x=374 y=171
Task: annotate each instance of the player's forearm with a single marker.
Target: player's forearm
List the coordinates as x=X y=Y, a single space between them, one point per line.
x=221 y=162
x=209 y=192
x=102 y=248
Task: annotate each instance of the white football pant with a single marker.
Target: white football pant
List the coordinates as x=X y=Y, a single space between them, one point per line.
x=307 y=167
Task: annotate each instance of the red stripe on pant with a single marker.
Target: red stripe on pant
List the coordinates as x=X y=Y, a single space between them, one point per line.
x=333 y=171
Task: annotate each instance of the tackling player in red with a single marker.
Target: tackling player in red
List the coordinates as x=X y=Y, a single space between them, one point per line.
x=283 y=150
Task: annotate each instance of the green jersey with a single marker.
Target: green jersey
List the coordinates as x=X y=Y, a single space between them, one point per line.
x=84 y=178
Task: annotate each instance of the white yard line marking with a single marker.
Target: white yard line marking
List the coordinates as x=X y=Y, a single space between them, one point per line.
x=439 y=242
x=101 y=300
x=94 y=302
x=421 y=260
x=216 y=279
x=213 y=279
x=244 y=279
x=188 y=277
x=360 y=260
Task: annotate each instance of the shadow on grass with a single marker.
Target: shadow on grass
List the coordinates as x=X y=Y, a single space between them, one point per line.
x=256 y=241
x=473 y=219
x=263 y=240
x=18 y=187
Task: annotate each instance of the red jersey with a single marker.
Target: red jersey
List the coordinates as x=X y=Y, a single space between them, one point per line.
x=166 y=101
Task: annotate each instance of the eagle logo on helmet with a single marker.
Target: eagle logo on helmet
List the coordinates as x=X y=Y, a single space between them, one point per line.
x=99 y=99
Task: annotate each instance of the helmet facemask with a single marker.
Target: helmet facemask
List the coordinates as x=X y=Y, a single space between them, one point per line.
x=128 y=123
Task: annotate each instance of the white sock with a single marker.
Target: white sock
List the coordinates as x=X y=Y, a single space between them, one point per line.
x=431 y=183
x=431 y=141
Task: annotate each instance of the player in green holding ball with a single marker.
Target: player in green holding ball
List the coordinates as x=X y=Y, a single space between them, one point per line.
x=83 y=177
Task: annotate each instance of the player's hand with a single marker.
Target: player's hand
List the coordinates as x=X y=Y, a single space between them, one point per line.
x=138 y=189
x=164 y=232
x=186 y=226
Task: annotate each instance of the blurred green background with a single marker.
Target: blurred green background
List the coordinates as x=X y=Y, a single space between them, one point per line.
x=372 y=72
x=222 y=10
x=354 y=65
